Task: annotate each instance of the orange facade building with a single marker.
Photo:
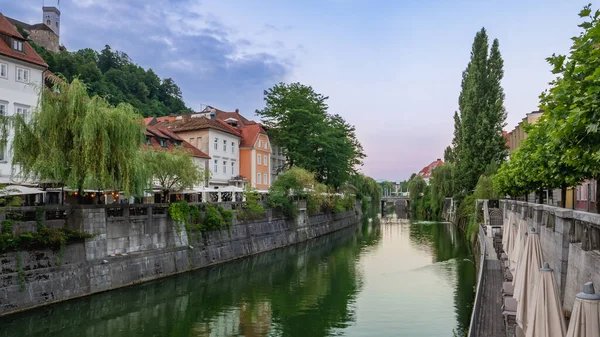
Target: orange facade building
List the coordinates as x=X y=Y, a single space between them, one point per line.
x=255 y=149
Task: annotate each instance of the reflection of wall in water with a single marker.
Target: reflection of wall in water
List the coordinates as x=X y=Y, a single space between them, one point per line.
x=224 y=325
x=255 y=319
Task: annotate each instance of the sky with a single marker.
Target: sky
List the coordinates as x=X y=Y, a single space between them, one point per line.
x=391 y=68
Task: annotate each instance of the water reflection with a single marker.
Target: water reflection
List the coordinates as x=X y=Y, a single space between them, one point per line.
x=378 y=278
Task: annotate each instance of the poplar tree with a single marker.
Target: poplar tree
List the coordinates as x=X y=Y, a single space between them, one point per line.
x=482 y=115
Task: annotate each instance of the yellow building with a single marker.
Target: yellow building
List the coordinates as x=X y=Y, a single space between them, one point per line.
x=518 y=134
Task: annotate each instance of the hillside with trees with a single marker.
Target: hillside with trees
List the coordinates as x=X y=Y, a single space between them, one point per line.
x=113 y=75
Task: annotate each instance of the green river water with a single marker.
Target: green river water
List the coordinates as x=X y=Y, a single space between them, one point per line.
x=387 y=277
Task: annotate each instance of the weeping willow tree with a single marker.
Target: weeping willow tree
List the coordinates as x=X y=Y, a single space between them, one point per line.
x=79 y=142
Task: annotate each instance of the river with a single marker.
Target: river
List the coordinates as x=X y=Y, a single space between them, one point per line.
x=388 y=277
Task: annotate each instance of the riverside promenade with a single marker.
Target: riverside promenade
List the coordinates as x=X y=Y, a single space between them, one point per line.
x=569 y=241
x=486 y=319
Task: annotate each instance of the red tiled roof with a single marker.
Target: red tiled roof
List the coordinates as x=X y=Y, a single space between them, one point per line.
x=197 y=123
x=154 y=132
x=506 y=136
x=427 y=170
x=29 y=55
x=249 y=128
x=250 y=134
x=243 y=121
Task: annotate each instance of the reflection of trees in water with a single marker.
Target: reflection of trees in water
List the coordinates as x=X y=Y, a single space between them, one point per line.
x=303 y=290
x=447 y=242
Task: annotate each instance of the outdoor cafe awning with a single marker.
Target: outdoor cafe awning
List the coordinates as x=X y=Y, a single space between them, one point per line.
x=20 y=190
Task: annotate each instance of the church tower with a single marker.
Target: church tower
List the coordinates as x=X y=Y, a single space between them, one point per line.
x=52 y=18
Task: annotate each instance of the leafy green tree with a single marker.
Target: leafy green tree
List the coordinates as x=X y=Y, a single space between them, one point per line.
x=80 y=142
x=418 y=192
x=114 y=76
x=340 y=152
x=253 y=209
x=365 y=188
x=387 y=187
x=571 y=103
x=452 y=151
x=173 y=170
x=297 y=119
x=443 y=185
x=295 y=115
x=562 y=148
x=482 y=115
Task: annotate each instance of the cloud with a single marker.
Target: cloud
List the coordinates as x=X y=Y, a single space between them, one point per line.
x=210 y=60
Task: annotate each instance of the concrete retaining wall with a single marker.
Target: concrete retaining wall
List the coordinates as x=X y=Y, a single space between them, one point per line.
x=569 y=242
x=132 y=249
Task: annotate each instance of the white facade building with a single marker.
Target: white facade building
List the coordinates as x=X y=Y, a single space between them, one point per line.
x=21 y=79
x=224 y=152
x=215 y=138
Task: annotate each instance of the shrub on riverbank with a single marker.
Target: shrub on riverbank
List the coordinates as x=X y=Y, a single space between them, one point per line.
x=44 y=238
x=252 y=210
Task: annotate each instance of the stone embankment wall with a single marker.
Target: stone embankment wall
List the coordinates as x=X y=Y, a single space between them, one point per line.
x=134 y=244
x=570 y=243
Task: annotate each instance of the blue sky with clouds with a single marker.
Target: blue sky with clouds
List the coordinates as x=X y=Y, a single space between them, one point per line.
x=392 y=68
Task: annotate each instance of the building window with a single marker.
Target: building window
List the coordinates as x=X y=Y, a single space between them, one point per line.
x=216 y=143
x=258 y=176
x=265 y=181
x=3 y=70
x=199 y=142
x=192 y=141
x=224 y=145
x=163 y=142
x=17 y=45
x=224 y=166
x=148 y=140
x=3 y=106
x=265 y=161
x=216 y=166
x=48 y=23
x=260 y=143
x=232 y=168
x=22 y=75
x=258 y=157
x=232 y=147
x=22 y=110
x=266 y=145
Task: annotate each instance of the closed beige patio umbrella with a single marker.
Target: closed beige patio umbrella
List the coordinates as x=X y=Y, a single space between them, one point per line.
x=585 y=318
x=545 y=313
x=518 y=245
x=512 y=236
x=505 y=229
x=527 y=277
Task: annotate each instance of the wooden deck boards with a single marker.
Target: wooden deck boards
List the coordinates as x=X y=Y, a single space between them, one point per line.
x=489 y=322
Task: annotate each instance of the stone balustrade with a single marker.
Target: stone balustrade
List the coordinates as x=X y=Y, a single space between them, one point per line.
x=570 y=243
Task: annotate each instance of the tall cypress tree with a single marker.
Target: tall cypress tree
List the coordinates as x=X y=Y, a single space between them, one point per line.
x=482 y=114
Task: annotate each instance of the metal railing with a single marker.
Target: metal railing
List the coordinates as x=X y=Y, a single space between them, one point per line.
x=480 y=279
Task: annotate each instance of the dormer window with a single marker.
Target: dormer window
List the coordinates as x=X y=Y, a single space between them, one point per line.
x=17 y=45
x=148 y=140
x=163 y=142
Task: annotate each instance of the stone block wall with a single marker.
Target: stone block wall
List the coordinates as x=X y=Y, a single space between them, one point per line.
x=46 y=39
x=568 y=244
x=132 y=249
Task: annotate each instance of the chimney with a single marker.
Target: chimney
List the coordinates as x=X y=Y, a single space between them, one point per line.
x=439 y=159
x=237 y=111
